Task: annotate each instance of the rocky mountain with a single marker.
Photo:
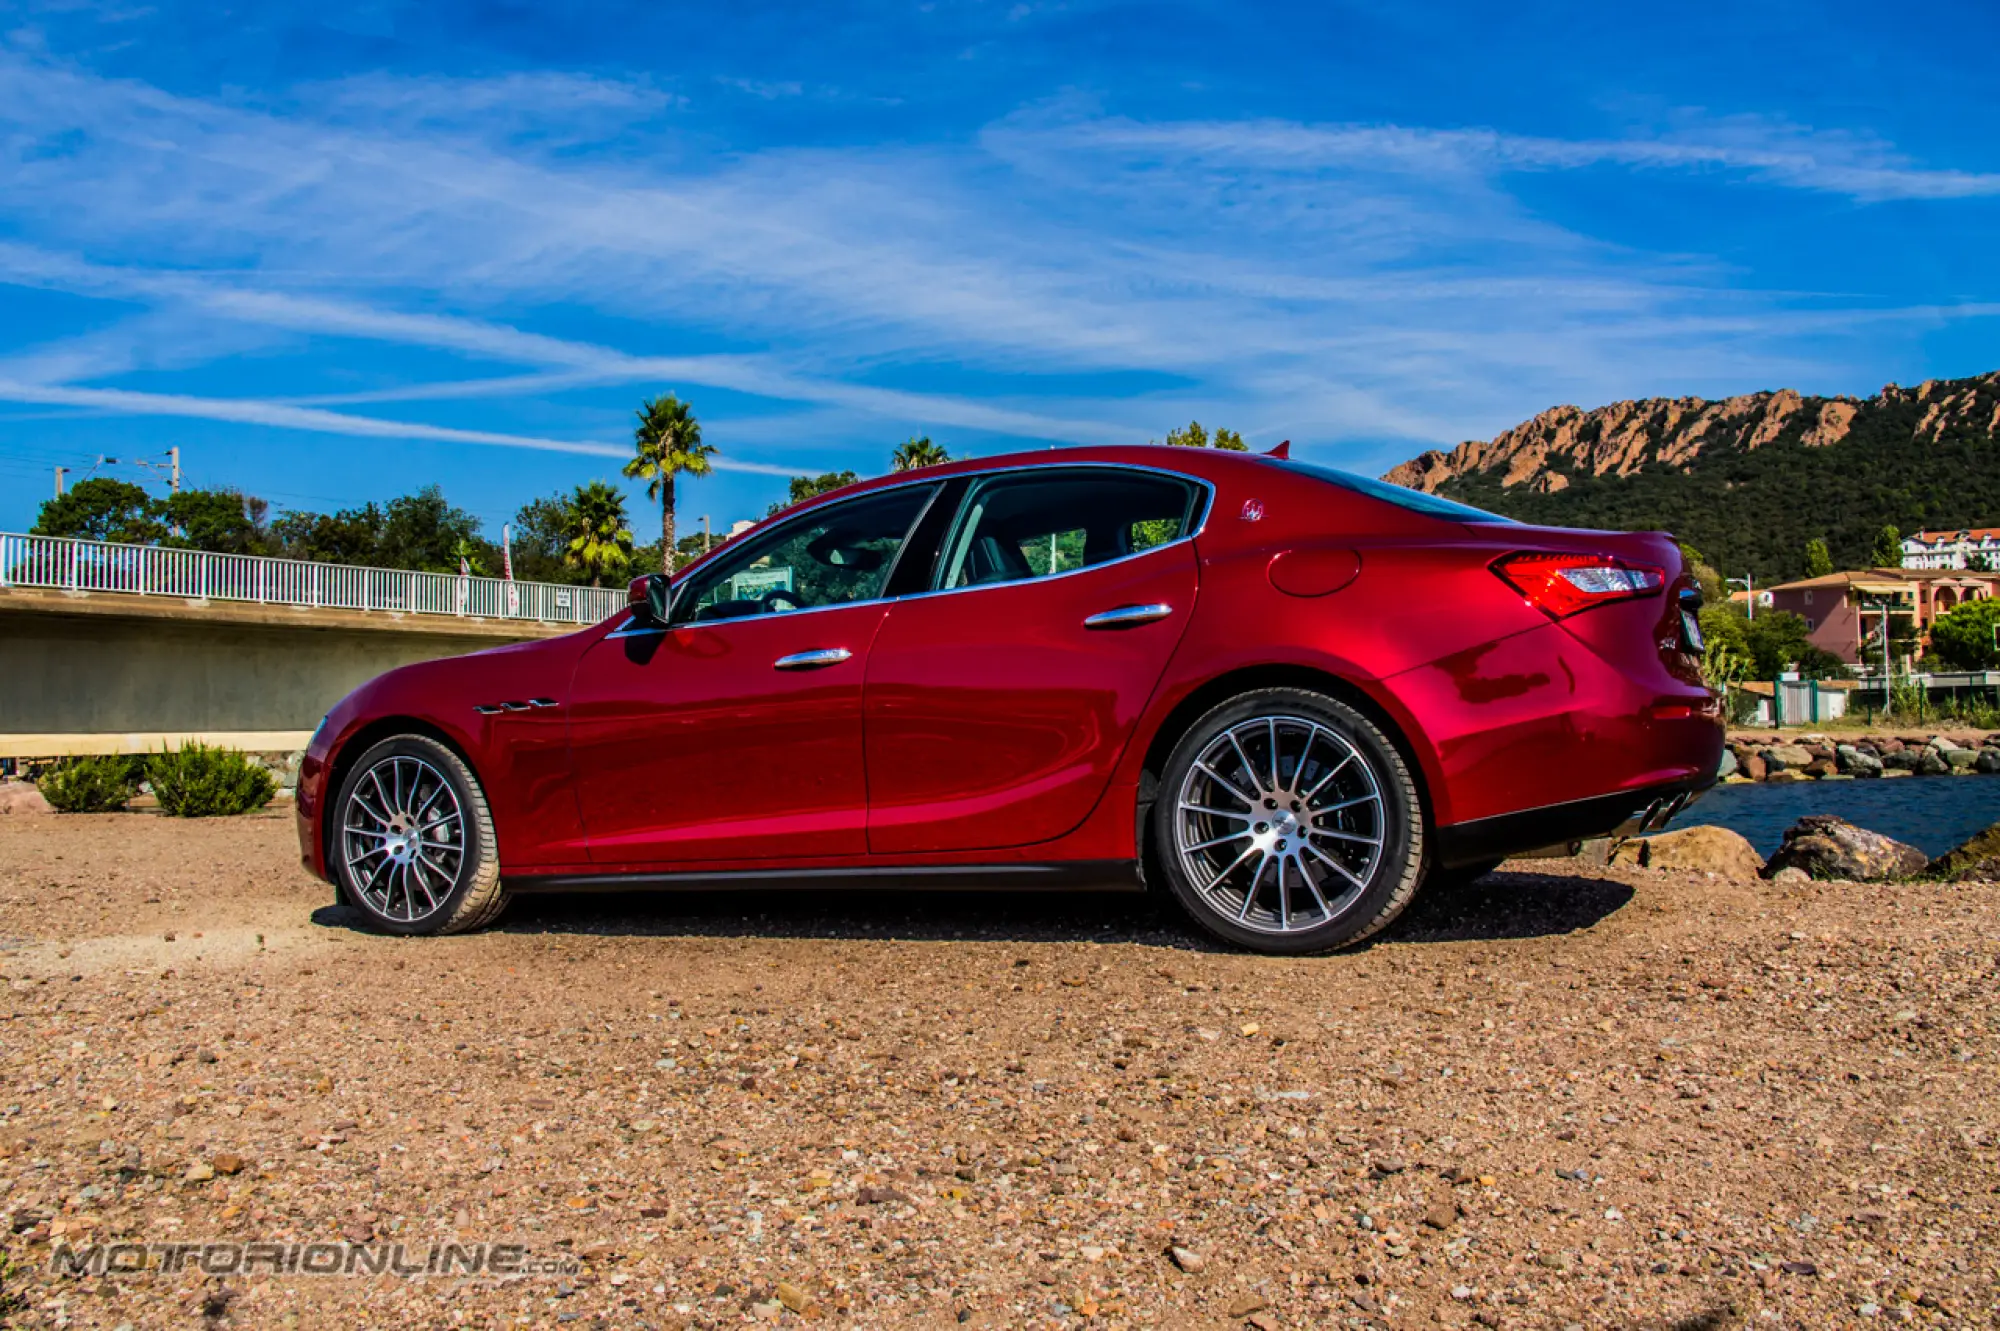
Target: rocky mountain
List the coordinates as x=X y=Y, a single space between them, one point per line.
x=1750 y=479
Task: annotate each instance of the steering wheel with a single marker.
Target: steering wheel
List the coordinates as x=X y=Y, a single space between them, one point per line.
x=770 y=600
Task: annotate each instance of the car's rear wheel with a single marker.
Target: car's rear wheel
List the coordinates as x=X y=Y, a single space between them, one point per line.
x=1287 y=822
x=412 y=840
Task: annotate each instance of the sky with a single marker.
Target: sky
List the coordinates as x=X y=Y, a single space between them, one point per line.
x=335 y=252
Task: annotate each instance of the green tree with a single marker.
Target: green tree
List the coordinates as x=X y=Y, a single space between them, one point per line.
x=539 y=538
x=802 y=488
x=1964 y=637
x=1195 y=435
x=1818 y=562
x=1775 y=639
x=226 y=521
x=101 y=509
x=666 y=443
x=917 y=452
x=350 y=536
x=600 y=544
x=1713 y=590
x=1888 y=549
x=422 y=531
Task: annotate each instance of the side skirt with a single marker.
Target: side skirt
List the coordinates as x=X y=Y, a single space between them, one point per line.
x=1072 y=876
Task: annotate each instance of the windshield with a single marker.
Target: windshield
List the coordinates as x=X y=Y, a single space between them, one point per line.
x=1414 y=500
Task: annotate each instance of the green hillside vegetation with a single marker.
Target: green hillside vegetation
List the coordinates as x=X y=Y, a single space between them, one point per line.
x=1755 y=510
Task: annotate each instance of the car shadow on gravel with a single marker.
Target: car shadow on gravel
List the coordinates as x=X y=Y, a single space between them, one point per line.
x=1500 y=906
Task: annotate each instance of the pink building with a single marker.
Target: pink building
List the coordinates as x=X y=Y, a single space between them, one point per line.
x=1842 y=609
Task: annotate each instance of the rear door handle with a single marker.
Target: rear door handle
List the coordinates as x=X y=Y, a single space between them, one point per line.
x=1125 y=616
x=816 y=659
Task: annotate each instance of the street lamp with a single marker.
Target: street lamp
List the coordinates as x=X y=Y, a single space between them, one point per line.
x=1749 y=581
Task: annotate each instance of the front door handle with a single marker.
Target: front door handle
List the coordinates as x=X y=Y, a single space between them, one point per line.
x=1126 y=616
x=814 y=660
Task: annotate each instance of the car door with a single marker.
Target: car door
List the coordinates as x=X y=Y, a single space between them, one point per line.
x=735 y=733
x=997 y=705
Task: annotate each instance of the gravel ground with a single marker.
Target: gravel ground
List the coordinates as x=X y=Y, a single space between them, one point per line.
x=1564 y=1097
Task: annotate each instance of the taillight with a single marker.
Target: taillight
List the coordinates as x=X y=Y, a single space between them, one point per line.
x=1562 y=584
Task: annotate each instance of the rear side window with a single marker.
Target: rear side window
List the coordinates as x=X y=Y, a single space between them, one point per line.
x=1414 y=500
x=1039 y=523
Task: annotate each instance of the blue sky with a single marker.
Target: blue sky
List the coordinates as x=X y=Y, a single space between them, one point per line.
x=339 y=251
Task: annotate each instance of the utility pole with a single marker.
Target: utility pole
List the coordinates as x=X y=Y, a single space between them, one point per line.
x=705 y=546
x=174 y=473
x=61 y=472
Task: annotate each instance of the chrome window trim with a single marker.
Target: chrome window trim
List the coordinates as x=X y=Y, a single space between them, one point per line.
x=628 y=629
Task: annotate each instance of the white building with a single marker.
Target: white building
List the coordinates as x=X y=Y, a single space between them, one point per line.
x=1953 y=549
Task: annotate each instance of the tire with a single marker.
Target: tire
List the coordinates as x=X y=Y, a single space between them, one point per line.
x=411 y=841
x=1341 y=876
x=1441 y=879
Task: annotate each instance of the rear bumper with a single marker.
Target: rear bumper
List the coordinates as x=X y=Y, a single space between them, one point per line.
x=1558 y=827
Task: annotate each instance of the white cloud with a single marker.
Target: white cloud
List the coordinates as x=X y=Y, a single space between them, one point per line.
x=1329 y=282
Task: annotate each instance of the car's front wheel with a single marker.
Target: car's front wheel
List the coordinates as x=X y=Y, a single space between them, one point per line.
x=412 y=840
x=1287 y=822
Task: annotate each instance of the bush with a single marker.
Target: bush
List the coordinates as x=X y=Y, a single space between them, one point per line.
x=201 y=782
x=99 y=784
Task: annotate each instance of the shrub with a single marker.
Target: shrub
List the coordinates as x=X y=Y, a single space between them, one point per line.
x=99 y=784
x=202 y=782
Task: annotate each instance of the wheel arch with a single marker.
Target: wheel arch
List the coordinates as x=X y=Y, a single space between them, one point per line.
x=364 y=738
x=1400 y=731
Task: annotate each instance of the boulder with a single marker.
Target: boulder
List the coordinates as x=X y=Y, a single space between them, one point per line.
x=1703 y=849
x=1902 y=759
x=1963 y=760
x=1888 y=746
x=1988 y=761
x=1857 y=761
x=1754 y=767
x=1931 y=763
x=1821 y=767
x=1727 y=767
x=1978 y=858
x=23 y=797
x=1782 y=776
x=1944 y=743
x=1820 y=752
x=1828 y=847
x=1784 y=757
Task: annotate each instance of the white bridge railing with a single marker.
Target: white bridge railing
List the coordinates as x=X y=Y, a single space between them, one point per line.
x=151 y=570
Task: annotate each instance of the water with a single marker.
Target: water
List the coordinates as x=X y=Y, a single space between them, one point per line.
x=1933 y=813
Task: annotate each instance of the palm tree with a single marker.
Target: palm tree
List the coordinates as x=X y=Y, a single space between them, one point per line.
x=600 y=544
x=667 y=443
x=918 y=452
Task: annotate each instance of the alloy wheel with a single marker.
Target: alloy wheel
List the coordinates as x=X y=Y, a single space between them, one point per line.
x=1279 y=824
x=403 y=838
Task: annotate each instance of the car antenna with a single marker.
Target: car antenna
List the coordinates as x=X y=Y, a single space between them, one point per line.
x=1283 y=450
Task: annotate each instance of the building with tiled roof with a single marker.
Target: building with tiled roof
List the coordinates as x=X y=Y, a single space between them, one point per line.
x=1968 y=547
x=1843 y=611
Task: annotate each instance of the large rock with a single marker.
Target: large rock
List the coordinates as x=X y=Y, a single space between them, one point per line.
x=1715 y=850
x=1829 y=847
x=22 y=797
x=1977 y=858
x=1754 y=767
x=1961 y=760
x=1786 y=757
x=1902 y=759
x=1932 y=763
x=1988 y=761
x=1727 y=767
x=1856 y=761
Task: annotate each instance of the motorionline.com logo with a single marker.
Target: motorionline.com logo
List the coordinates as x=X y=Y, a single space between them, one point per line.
x=221 y=1258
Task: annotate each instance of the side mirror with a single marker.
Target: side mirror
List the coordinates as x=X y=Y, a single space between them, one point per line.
x=649 y=597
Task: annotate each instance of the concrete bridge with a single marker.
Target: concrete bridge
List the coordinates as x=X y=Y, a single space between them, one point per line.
x=140 y=664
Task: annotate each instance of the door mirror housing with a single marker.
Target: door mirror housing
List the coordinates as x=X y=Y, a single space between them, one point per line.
x=649 y=598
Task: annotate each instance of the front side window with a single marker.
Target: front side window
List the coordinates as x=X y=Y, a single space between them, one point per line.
x=1035 y=524
x=830 y=556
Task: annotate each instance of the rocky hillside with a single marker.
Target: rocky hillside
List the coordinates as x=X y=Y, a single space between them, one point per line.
x=1750 y=479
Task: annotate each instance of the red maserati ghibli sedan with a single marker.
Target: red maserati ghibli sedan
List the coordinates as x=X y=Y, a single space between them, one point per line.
x=1286 y=695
